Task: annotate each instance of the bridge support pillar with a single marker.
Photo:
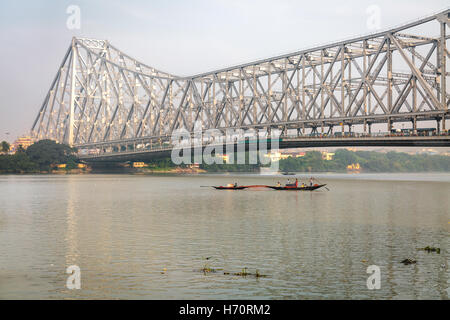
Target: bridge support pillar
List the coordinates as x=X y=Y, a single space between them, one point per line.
x=443 y=123
x=438 y=125
x=389 y=125
x=414 y=122
x=370 y=128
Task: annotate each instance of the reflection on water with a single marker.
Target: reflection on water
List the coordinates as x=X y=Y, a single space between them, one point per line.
x=145 y=237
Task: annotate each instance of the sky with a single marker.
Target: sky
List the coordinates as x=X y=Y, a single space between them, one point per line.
x=180 y=37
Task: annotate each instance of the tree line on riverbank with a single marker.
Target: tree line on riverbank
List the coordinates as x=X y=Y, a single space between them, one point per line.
x=369 y=161
x=41 y=156
x=312 y=161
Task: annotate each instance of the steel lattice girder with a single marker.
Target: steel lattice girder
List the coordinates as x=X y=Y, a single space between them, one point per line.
x=100 y=94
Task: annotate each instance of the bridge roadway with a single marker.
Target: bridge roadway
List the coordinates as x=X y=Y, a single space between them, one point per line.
x=283 y=143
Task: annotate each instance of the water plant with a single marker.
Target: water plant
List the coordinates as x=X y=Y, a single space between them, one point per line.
x=430 y=249
x=206 y=268
x=243 y=273
x=408 y=261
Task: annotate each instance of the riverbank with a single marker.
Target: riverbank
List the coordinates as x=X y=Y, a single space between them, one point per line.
x=312 y=161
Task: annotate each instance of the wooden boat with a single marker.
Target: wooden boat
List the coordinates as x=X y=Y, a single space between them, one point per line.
x=293 y=188
x=288 y=187
x=230 y=188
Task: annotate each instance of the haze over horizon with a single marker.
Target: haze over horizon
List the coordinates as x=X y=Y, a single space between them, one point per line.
x=178 y=37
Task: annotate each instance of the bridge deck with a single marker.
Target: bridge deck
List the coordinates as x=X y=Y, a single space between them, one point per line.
x=283 y=143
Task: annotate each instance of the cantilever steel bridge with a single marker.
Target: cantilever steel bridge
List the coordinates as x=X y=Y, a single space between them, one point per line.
x=102 y=99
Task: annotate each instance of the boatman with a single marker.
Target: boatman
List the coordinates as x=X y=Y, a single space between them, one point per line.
x=311 y=181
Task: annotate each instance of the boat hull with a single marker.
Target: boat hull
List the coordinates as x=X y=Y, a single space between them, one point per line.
x=230 y=188
x=306 y=188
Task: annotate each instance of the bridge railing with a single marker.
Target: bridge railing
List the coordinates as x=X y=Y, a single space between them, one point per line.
x=158 y=145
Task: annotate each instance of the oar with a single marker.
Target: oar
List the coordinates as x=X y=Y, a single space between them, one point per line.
x=321 y=183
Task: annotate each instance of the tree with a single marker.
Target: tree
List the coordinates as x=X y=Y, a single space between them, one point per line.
x=46 y=153
x=4 y=147
x=22 y=163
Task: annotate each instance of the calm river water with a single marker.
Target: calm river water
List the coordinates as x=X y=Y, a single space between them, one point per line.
x=147 y=236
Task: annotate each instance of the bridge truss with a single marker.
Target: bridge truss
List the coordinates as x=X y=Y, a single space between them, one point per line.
x=101 y=96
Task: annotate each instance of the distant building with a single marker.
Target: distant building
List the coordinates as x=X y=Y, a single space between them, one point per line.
x=138 y=164
x=277 y=156
x=23 y=142
x=354 y=167
x=327 y=155
x=429 y=151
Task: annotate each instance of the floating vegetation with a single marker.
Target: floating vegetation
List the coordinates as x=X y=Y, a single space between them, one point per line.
x=243 y=273
x=259 y=275
x=408 y=261
x=209 y=270
x=206 y=268
x=430 y=249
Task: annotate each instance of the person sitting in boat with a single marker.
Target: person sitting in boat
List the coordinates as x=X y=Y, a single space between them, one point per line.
x=295 y=184
x=303 y=185
x=278 y=184
x=235 y=184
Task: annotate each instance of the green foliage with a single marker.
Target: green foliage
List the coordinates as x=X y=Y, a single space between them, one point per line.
x=17 y=163
x=370 y=161
x=38 y=157
x=234 y=167
x=161 y=164
x=48 y=152
x=71 y=164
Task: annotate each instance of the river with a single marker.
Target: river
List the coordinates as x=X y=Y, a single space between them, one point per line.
x=148 y=236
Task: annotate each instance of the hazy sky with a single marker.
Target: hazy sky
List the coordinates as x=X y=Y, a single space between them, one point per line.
x=181 y=37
